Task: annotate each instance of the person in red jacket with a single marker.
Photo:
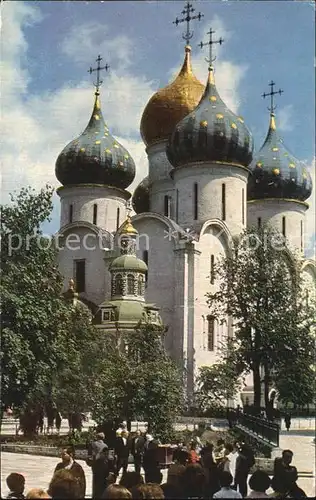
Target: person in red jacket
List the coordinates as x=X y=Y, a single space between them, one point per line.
x=193 y=456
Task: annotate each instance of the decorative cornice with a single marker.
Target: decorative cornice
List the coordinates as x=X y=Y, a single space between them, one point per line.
x=299 y=202
x=126 y=194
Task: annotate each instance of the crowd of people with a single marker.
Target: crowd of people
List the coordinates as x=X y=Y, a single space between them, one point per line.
x=218 y=470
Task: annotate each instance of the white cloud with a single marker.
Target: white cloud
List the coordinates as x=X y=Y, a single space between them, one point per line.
x=228 y=75
x=284 y=116
x=37 y=127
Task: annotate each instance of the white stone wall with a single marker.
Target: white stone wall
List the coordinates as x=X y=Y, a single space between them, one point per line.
x=272 y=211
x=161 y=184
x=210 y=178
x=83 y=198
x=160 y=288
x=209 y=244
x=72 y=248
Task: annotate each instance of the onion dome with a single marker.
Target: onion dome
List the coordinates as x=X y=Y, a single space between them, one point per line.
x=128 y=261
x=211 y=132
x=276 y=173
x=95 y=157
x=169 y=105
x=140 y=200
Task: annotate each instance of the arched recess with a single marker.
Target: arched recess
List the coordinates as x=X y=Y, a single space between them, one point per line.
x=219 y=229
x=105 y=237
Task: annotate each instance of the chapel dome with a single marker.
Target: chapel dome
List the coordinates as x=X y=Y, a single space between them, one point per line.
x=276 y=173
x=169 y=105
x=211 y=132
x=140 y=199
x=95 y=157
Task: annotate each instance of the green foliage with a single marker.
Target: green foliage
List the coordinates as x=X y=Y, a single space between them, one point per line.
x=216 y=385
x=139 y=381
x=260 y=286
x=43 y=337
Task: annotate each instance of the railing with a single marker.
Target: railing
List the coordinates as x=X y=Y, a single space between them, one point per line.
x=265 y=429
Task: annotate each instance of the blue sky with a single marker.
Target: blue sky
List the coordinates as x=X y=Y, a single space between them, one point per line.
x=48 y=93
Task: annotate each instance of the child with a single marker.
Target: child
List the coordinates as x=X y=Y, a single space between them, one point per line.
x=16 y=484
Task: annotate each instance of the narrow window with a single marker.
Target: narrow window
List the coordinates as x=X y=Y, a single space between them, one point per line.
x=119 y=285
x=95 y=213
x=71 y=211
x=177 y=205
x=223 y=201
x=195 y=201
x=117 y=218
x=283 y=226
x=130 y=284
x=210 y=333
x=80 y=275
x=140 y=285
x=243 y=206
x=302 y=236
x=259 y=222
x=212 y=270
x=167 y=206
x=145 y=259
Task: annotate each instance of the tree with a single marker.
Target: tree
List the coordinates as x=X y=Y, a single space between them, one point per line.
x=260 y=286
x=216 y=385
x=140 y=381
x=41 y=332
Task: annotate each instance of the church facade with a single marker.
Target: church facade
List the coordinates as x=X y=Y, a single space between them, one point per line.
x=204 y=187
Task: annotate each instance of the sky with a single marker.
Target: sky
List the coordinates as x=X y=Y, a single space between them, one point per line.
x=47 y=93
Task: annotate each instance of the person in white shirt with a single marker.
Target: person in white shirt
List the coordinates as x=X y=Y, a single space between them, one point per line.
x=232 y=457
x=226 y=491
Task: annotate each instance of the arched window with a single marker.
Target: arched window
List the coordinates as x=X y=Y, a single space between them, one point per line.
x=119 y=285
x=71 y=210
x=259 y=222
x=210 y=333
x=223 y=201
x=140 y=285
x=95 y=213
x=117 y=218
x=167 y=206
x=130 y=284
x=195 y=201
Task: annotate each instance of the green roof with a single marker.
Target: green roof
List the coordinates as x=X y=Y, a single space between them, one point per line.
x=128 y=310
x=129 y=263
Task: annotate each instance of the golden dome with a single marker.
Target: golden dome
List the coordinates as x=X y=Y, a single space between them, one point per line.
x=127 y=227
x=169 y=105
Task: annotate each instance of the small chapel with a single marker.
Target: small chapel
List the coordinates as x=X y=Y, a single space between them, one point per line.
x=205 y=185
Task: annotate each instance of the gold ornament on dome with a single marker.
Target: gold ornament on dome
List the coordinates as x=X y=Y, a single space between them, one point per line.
x=116 y=146
x=82 y=150
x=219 y=115
x=126 y=157
x=276 y=171
x=97 y=142
x=275 y=148
x=213 y=98
x=304 y=174
x=96 y=117
x=240 y=118
x=203 y=123
x=233 y=125
x=168 y=106
x=108 y=150
x=292 y=165
x=259 y=164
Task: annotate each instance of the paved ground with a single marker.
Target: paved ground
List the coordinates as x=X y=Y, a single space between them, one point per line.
x=38 y=470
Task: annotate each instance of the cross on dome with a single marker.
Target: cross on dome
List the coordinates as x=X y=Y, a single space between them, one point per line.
x=187 y=11
x=98 y=69
x=210 y=43
x=271 y=94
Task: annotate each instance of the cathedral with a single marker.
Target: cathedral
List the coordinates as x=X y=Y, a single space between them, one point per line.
x=204 y=187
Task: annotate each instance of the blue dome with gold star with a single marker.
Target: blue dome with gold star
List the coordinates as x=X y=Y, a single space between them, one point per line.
x=140 y=200
x=95 y=157
x=211 y=132
x=276 y=173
